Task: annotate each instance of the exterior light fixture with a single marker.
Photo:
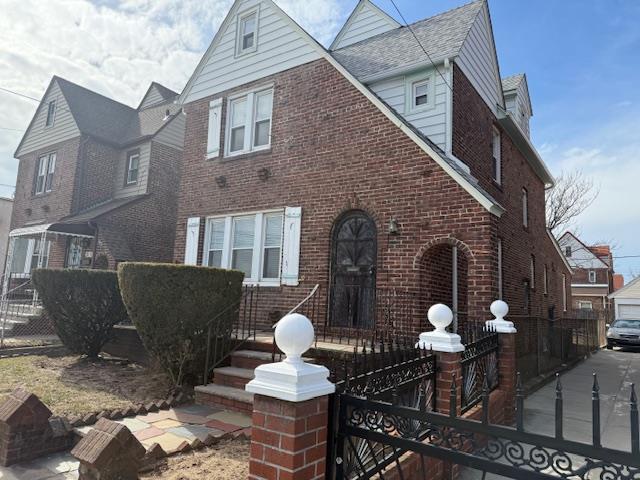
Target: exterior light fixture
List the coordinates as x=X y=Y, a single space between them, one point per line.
x=394 y=229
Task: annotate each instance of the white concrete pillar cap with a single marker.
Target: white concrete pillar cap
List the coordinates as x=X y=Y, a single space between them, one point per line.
x=499 y=310
x=440 y=316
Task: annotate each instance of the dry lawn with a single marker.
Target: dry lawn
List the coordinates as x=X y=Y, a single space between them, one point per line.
x=228 y=460
x=71 y=385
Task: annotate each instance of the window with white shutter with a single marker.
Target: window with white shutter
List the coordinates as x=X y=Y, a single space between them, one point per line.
x=191 y=245
x=215 y=122
x=216 y=242
x=291 y=245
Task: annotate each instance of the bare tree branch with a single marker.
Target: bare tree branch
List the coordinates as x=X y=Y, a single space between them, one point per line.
x=572 y=194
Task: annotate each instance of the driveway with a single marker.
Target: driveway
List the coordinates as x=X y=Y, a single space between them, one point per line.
x=616 y=371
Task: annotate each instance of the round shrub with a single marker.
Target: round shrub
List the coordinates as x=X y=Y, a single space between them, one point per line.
x=172 y=305
x=83 y=305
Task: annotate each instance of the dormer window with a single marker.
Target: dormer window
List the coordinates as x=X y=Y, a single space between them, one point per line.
x=420 y=93
x=51 y=113
x=133 y=165
x=247 y=32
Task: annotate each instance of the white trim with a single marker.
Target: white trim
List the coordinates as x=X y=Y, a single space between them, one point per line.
x=617 y=293
x=361 y=4
x=590 y=285
x=411 y=83
x=240 y=17
x=249 y=123
x=449 y=108
x=214 y=129
x=479 y=196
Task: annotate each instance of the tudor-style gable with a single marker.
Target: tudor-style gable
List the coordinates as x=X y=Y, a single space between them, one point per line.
x=366 y=20
x=254 y=41
x=51 y=124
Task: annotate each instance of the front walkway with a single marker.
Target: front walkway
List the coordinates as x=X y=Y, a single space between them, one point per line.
x=616 y=371
x=168 y=428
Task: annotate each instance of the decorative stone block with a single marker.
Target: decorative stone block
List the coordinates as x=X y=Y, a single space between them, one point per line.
x=109 y=452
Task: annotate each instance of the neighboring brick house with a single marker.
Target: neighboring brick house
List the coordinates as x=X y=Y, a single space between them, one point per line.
x=593 y=274
x=97 y=180
x=390 y=182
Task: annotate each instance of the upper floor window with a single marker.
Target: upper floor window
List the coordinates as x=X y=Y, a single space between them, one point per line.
x=133 y=166
x=44 y=173
x=545 y=280
x=249 y=122
x=247 y=32
x=592 y=276
x=525 y=207
x=51 y=113
x=568 y=252
x=497 y=155
x=533 y=272
x=249 y=243
x=420 y=93
x=585 y=305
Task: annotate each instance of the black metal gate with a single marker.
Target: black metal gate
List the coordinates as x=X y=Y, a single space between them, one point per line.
x=382 y=439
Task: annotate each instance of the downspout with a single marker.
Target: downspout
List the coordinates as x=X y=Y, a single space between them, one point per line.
x=454 y=287
x=448 y=68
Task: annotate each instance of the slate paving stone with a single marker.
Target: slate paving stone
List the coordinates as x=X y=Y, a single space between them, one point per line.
x=202 y=410
x=156 y=416
x=134 y=424
x=225 y=427
x=184 y=417
x=168 y=441
x=165 y=424
x=148 y=433
x=232 y=418
x=192 y=432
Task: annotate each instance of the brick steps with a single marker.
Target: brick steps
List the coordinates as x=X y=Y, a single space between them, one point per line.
x=227 y=390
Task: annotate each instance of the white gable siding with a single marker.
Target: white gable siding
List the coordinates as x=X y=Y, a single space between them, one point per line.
x=153 y=97
x=143 y=172
x=173 y=134
x=432 y=122
x=279 y=48
x=581 y=257
x=477 y=61
x=518 y=104
x=365 y=22
x=64 y=127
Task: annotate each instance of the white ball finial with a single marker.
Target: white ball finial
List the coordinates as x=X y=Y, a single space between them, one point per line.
x=440 y=316
x=294 y=336
x=499 y=309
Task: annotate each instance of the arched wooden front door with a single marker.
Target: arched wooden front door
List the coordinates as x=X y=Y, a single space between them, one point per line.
x=353 y=271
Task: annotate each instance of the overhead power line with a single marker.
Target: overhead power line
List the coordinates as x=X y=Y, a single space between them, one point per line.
x=406 y=24
x=11 y=129
x=19 y=94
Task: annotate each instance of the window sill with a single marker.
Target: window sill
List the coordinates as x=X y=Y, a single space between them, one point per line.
x=253 y=283
x=41 y=195
x=244 y=155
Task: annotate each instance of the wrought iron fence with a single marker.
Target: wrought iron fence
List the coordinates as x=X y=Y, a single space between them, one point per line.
x=376 y=438
x=231 y=328
x=22 y=320
x=543 y=345
x=479 y=363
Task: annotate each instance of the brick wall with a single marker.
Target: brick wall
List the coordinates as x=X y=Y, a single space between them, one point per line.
x=332 y=151
x=472 y=137
x=35 y=209
x=96 y=173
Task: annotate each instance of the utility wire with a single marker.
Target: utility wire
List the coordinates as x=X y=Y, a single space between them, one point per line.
x=406 y=24
x=19 y=94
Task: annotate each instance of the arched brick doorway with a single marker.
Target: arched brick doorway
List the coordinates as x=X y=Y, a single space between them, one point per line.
x=444 y=277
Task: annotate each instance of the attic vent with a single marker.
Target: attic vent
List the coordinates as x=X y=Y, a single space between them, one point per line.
x=167 y=113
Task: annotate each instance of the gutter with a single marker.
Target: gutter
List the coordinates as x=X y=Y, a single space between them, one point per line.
x=506 y=121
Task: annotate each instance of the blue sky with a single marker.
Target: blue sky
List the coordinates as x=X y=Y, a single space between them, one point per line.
x=582 y=59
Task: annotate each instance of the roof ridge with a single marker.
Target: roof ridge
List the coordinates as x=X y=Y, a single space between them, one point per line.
x=93 y=92
x=459 y=7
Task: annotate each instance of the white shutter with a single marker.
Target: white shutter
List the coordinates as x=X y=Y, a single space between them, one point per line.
x=291 y=245
x=215 y=122
x=191 y=247
x=31 y=245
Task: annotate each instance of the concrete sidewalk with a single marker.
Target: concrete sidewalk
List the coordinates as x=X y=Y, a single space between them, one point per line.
x=616 y=371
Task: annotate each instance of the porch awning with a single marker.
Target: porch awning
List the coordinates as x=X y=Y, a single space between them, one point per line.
x=74 y=230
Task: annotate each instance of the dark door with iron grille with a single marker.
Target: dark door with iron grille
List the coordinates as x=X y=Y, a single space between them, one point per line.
x=353 y=271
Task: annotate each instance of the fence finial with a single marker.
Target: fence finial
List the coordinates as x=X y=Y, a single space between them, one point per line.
x=440 y=316
x=499 y=310
x=292 y=379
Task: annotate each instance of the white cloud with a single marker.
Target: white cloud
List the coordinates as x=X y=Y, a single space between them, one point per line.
x=116 y=49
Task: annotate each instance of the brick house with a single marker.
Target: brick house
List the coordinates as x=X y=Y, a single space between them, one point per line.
x=593 y=275
x=97 y=180
x=369 y=169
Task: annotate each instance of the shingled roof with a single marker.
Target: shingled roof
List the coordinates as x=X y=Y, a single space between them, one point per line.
x=512 y=82
x=442 y=35
x=112 y=121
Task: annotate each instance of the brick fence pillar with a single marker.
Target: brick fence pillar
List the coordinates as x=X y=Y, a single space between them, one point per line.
x=290 y=409
x=448 y=365
x=507 y=369
x=289 y=440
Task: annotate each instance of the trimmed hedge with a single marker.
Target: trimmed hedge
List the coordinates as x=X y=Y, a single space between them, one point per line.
x=83 y=305
x=172 y=305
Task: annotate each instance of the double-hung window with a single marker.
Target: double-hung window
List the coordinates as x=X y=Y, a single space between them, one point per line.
x=249 y=243
x=525 y=208
x=249 y=122
x=51 y=113
x=247 y=32
x=420 y=93
x=44 y=173
x=133 y=166
x=497 y=156
x=592 y=276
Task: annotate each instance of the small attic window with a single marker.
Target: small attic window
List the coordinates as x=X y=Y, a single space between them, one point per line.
x=247 y=32
x=51 y=113
x=420 y=92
